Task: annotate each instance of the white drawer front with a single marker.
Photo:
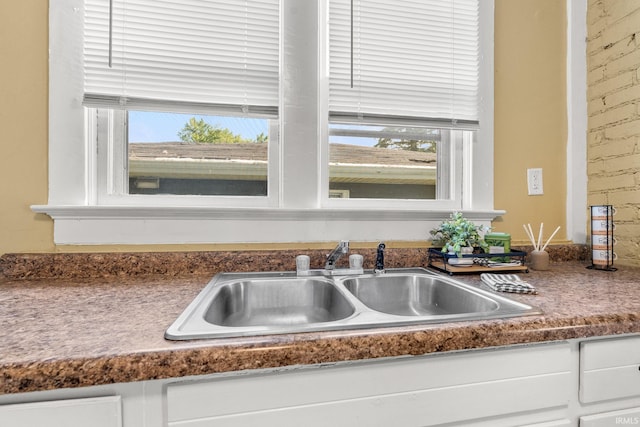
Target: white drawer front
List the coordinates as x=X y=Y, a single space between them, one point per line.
x=609 y=369
x=627 y=417
x=94 y=412
x=482 y=384
x=610 y=353
x=420 y=408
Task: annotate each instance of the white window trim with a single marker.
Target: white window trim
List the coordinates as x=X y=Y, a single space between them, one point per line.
x=301 y=215
x=577 y=128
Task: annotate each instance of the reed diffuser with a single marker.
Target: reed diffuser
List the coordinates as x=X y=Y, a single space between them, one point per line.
x=538 y=258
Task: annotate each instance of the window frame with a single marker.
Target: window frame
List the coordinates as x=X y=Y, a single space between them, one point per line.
x=112 y=180
x=450 y=174
x=298 y=210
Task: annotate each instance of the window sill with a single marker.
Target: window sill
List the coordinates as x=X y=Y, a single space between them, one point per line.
x=101 y=225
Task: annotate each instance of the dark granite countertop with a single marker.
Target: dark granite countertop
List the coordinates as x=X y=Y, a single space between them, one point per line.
x=72 y=332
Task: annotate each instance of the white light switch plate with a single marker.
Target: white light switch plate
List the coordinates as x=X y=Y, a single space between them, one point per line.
x=534 y=181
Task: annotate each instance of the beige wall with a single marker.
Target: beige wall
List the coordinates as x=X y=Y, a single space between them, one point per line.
x=23 y=121
x=530 y=120
x=613 y=149
x=530 y=113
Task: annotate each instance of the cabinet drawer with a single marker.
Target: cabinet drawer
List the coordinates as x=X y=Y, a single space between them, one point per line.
x=627 y=417
x=609 y=369
x=94 y=412
x=482 y=384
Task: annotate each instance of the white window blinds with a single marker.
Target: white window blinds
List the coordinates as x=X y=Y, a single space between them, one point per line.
x=415 y=61
x=183 y=56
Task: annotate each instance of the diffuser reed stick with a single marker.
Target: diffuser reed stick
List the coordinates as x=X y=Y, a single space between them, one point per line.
x=529 y=234
x=540 y=236
x=537 y=245
x=549 y=240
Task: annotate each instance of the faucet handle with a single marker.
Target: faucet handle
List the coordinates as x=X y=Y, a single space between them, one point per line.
x=302 y=265
x=380 y=258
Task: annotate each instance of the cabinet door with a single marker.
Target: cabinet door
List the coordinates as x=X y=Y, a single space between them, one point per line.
x=93 y=412
x=609 y=369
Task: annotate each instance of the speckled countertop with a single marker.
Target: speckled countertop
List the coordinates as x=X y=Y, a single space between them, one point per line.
x=71 y=332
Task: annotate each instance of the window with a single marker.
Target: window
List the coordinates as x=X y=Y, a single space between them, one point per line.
x=298 y=156
x=192 y=154
x=403 y=87
x=390 y=162
x=190 y=92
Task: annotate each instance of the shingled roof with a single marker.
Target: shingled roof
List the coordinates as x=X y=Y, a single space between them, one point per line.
x=248 y=161
x=339 y=153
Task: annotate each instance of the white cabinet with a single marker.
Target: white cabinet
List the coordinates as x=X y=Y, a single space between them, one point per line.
x=422 y=391
x=610 y=377
x=628 y=417
x=588 y=383
x=94 y=412
x=609 y=369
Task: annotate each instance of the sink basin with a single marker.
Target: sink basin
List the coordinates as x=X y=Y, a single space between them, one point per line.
x=252 y=304
x=276 y=302
x=414 y=295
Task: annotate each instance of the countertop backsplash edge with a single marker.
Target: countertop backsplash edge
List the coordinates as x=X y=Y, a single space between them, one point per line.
x=25 y=266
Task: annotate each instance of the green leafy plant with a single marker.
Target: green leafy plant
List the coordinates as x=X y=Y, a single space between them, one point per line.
x=458 y=232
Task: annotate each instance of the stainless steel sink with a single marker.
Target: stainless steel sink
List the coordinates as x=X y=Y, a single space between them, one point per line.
x=277 y=302
x=248 y=304
x=418 y=295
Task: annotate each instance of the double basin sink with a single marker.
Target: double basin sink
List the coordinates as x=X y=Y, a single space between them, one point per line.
x=250 y=304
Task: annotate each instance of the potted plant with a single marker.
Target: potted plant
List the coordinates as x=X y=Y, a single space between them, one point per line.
x=458 y=233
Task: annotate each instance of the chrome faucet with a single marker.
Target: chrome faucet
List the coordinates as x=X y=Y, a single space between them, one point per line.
x=380 y=258
x=336 y=253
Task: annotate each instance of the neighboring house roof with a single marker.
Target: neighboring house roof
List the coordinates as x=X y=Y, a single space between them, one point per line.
x=347 y=163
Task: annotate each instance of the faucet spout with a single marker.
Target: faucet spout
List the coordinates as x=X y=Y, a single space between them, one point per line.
x=336 y=253
x=380 y=258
